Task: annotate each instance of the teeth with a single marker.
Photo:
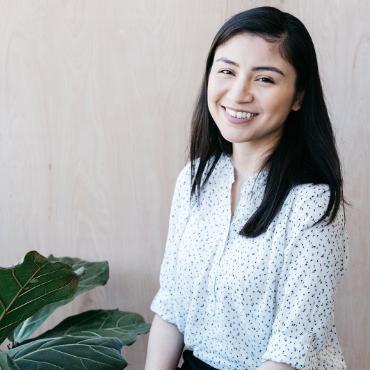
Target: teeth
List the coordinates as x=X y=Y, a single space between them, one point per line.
x=240 y=115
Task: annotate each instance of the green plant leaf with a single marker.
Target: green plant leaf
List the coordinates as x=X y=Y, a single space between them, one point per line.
x=125 y=326
x=6 y=363
x=72 y=353
x=91 y=275
x=29 y=286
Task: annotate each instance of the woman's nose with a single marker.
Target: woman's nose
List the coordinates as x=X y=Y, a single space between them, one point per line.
x=241 y=91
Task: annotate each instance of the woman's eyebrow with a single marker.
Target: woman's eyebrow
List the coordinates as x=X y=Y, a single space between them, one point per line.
x=259 y=68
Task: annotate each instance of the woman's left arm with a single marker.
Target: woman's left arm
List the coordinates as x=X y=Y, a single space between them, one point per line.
x=315 y=258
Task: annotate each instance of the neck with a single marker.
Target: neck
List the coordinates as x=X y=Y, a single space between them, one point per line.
x=246 y=162
x=248 y=157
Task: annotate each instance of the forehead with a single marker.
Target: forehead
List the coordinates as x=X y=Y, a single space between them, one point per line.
x=246 y=49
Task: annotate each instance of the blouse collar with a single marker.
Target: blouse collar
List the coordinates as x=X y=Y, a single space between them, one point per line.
x=258 y=176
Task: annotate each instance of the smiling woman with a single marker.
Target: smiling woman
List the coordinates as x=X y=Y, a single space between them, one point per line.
x=257 y=242
x=251 y=90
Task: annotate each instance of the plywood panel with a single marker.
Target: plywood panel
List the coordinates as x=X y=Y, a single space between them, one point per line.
x=95 y=105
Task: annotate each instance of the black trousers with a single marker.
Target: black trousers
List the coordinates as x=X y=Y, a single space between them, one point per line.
x=193 y=363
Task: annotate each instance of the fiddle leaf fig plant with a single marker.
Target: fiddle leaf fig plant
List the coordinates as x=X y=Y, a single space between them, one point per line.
x=31 y=291
x=25 y=288
x=90 y=275
x=6 y=362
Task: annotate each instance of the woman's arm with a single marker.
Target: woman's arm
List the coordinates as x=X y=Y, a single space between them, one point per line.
x=271 y=365
x=314 y=258
x=164 y=347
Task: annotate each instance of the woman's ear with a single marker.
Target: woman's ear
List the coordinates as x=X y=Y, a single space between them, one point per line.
x=298 y=101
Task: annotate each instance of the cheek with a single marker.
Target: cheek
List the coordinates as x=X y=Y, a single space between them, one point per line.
x=279 y=102
x=210 y=99
x=212 y=88
x=216 y=88
x=212 y=96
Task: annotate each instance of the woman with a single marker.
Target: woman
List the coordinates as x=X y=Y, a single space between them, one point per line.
x=256 y=243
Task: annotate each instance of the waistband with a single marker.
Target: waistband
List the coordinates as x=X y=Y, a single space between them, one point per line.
x=193 y=363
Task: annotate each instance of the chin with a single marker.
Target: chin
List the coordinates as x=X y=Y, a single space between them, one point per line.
x=235 y=140
x=234 y=137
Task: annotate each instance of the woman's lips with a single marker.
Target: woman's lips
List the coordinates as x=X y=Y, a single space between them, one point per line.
x=236 y=120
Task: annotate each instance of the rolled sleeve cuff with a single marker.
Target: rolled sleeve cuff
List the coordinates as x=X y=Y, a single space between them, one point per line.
x=162 y=305
x=299 y=353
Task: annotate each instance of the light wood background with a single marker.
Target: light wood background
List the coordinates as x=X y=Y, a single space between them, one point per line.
x=95 y=105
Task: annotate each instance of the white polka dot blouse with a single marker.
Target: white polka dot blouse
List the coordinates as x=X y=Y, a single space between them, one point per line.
x=242 y=301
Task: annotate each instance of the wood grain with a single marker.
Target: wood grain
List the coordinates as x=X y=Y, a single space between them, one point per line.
x=95 y=106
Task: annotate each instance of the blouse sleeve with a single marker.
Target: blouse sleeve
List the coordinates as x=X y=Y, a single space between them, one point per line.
x=163 y=302
x=315 y=259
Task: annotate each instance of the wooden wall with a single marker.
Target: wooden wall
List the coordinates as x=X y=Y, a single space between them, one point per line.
x=95 y=103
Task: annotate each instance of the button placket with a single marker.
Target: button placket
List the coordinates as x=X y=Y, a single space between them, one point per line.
x=245 y=198
x=222 y=243
x=220 y=253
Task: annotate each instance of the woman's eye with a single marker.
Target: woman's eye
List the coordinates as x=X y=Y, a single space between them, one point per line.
x=265 y=79
x=225 y=71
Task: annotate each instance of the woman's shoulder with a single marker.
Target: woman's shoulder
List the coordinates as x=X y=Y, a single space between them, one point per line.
x=184 y=180
x=309 y=192
x=184 y=176
x=309 y=202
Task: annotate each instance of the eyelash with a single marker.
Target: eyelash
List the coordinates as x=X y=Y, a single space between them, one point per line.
x=268 y=80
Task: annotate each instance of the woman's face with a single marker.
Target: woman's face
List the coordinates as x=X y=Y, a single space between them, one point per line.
x=249 y=75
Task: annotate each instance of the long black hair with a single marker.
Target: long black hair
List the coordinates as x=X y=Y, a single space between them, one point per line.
x=306 y=151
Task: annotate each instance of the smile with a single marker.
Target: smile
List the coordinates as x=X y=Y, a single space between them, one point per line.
x=238 y=116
